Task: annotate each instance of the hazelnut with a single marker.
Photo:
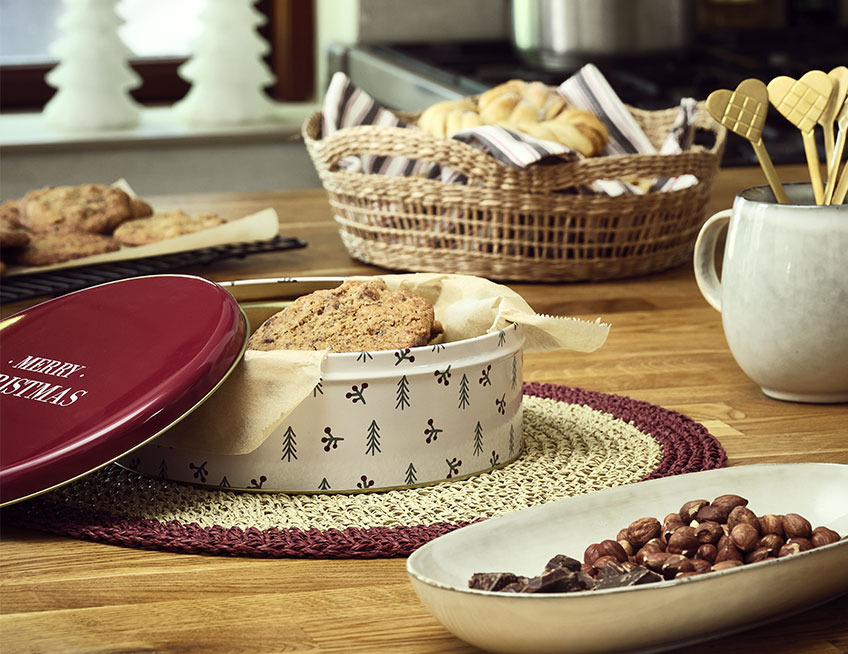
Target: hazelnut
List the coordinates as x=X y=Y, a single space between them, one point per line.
x=622 y=535
x=742 y=514
x=707 y=552
x=701 y=566
x=627 y=547
x=796 y=526
x=690 y=509
x=655 y=560
x=592 y=553
x=771 y=524
x=674 y=564
x=823 y=536
x=642 y=530
x=728 y=553
x=612 y=548
x=771 y=542
x=588 y=569
x=803 y=543
x=708 y=532
x=671 y=523
x=759 y=554
x=745 y=536
x=683 y=541
x=657 y=544
x=640 y=556
x=724 y=541
x=710 y=513
x=725 y=565
x=788 y=550
x=602 y=561
x=730 y=501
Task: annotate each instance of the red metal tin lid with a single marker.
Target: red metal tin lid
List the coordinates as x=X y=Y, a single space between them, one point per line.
x=88 y=377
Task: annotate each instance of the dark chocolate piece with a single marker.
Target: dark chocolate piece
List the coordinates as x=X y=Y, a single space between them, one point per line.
x=611 y=569
x=586 y=580
x=636 y=577
x=563 y=561
x=556 y=580
x=516 y=586
x=492 y=581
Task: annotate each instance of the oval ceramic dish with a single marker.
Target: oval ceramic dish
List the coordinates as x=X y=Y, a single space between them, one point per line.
x=376 y=420
x=653 y=617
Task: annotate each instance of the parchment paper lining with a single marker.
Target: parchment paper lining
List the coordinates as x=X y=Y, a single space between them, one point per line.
x=257 y=226
x=267 y=386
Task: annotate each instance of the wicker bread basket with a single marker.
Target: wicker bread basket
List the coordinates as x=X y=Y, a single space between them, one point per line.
x=510 y=224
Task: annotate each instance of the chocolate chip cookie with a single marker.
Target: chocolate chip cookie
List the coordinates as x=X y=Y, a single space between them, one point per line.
x=10 y=213
x=93 y=208
x=358 y=316
x=11 y=235
x=59 y=246
x=161 y=226
x=140 y=208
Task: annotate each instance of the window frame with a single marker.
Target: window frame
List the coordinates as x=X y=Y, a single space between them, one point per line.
x=289 y=30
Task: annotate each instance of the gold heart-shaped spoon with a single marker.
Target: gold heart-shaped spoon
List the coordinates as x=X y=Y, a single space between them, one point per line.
x=803 y=102
x=743 y=111
x=839 y=77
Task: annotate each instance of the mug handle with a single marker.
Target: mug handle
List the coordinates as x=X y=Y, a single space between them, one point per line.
x=704 y=258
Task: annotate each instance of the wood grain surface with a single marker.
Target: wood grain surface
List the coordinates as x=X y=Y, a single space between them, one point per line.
x=666 y=347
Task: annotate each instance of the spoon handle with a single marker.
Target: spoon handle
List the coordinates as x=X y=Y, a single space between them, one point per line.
x=770 y=172
x=813 y=165
x=828 y=146
x=833 y=165
x=841 y=187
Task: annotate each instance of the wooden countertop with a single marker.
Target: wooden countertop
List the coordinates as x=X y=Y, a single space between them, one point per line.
x=666 y=347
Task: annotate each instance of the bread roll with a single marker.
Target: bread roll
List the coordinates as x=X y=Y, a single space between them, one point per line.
x=533 y=108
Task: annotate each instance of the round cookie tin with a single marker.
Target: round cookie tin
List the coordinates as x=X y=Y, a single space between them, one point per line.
x=375 y=421
x=90 y=376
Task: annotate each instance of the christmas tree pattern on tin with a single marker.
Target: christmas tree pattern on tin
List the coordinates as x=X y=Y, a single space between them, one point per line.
x=402 y=394
x=372 y=441
x=478 y=439
x=464 y=395
x=411 y=473
x=289 y=445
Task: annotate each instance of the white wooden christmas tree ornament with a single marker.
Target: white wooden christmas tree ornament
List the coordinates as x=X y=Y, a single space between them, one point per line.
x=93 y=77
x=226 y=68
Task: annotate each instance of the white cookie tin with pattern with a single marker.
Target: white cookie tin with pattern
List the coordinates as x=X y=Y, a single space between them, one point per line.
x=376 y=421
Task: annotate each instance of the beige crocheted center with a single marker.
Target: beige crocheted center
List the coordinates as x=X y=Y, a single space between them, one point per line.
x=568 y=450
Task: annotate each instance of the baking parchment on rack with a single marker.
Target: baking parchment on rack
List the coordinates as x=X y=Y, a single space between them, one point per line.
x=59 y=282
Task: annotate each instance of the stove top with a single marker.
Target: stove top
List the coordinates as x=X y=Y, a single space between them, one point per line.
x=652 y=82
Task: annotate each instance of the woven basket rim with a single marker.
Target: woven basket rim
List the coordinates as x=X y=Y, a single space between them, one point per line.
x=529 y=224
x=314 y=121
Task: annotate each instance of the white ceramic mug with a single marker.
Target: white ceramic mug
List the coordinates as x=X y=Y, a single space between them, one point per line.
x=783 y=293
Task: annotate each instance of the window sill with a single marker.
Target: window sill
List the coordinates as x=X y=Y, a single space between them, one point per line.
x=27 y=131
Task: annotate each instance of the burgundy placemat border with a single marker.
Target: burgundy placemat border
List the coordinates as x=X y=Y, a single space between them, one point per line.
x=676 y=433
x=673 y=430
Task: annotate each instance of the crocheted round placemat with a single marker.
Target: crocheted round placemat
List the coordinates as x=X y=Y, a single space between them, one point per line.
x=575 y=441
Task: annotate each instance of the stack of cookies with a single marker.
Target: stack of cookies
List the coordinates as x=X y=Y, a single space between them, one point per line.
x=59 y=223
x=358 y=316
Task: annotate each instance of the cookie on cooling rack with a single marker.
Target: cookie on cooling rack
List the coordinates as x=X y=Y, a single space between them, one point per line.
x=59 y=246
x=93 y=208
x=161 y=226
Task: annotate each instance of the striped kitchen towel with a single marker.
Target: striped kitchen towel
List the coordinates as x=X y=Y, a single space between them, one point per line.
x=345 y=105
